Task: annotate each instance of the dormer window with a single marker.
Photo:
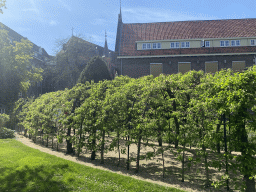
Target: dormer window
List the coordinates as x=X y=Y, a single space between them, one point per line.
x=253 y=42
x=175 y=45
x=207 y=43
x=235 y=43
x=146 y=46
x=156 y=45
x=224 y=43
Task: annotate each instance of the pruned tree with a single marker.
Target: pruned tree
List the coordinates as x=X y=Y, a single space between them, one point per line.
x=96 y=70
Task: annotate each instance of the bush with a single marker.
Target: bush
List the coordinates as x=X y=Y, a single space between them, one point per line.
x=6 y=133
x=3 y=119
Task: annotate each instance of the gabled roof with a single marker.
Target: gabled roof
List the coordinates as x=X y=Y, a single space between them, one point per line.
x=131 y=33
x=14 y=36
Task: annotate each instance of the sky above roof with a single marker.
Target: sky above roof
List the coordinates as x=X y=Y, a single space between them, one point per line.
x=46 y=21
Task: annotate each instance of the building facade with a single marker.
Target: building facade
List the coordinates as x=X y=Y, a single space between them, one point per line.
x=173 y=47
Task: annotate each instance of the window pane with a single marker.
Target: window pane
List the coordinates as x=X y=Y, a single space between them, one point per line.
x=154 y=45
x=172 y=45
x=226 y=43
x=144 y=46
x=182 y=44
x=148 y=46
x=222 y=43
x=159 y=45
x=237 y=42
x=187 y=44
x=252 y=42
x=233 y=43
x=177 y=44
x=207 y=43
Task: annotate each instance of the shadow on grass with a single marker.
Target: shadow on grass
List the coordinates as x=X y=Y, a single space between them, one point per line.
x=33 y=179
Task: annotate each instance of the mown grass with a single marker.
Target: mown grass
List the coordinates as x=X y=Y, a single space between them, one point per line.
x=25 y=169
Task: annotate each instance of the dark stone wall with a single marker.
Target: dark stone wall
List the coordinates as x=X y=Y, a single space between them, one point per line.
x=141 y=67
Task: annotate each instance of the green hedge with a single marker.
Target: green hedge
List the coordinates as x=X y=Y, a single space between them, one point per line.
x=6 y=133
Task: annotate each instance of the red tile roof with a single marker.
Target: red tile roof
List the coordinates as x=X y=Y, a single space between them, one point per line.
x=186 y=30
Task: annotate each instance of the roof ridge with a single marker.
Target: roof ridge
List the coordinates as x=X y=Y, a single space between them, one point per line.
x=194 y=21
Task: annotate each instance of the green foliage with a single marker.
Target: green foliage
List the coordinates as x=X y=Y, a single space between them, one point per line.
x=4 y=118
x=185 y=109
x=95 y=70
x=16 y=70
x=6 y=133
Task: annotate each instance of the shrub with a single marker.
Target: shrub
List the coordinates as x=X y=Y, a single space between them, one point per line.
x=3 y=119
x=6 y=133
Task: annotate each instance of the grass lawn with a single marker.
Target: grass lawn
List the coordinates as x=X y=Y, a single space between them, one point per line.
x=26 y=169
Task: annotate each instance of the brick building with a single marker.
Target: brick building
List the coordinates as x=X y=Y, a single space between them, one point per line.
x=172 y=47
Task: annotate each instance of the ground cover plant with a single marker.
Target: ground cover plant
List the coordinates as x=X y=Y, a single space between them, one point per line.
x=26 y=169
x=212 y=113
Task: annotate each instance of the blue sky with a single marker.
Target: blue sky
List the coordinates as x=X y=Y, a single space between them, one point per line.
x=45 y=21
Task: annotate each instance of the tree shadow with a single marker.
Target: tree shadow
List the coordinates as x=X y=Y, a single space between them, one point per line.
x=34 y=179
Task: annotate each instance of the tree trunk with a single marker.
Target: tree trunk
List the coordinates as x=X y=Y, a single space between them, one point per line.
x=47 y=140
x=52 y=141
x=160 y=140
x=128 y=155
x=138 y=153
x=102 y=147
x=183 y=163
x=176 y=125
x=250 y=184
x=93 y=155
x=69 y=144
x=163 y=161
x=207 y=183
x=218 y=142
x=118 y=146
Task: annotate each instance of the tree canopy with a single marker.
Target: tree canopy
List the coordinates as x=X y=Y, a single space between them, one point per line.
x=17 y=73
x=95 y=70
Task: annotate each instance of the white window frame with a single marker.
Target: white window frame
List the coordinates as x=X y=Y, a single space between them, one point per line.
x=253 y=42
x=176 y=45
x=156 y=46
x=207 y=42
x=233 y=42
x=144 y=46
x=148 y=46
x=222 y=43
x=185 y=44
x=226 y=43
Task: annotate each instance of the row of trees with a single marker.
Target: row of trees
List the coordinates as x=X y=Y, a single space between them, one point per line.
x=207 y=111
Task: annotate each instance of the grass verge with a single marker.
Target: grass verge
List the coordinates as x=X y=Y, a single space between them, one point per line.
x=25 y=169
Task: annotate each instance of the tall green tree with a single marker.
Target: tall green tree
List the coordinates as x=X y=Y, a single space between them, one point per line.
x=95 y=70
x=16 y=70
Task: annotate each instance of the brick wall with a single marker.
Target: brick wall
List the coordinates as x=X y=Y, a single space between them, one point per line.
x=140 y=67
